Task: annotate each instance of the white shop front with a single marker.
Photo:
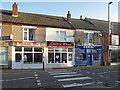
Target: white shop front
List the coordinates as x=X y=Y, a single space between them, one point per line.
x=59 y=54
x=27 y=55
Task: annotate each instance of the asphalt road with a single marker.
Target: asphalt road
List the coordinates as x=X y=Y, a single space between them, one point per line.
x=71 y=78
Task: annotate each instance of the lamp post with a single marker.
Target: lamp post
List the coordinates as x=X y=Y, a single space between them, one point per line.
x=109 y=31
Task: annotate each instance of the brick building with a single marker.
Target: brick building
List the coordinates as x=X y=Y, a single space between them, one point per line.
x=28 y=40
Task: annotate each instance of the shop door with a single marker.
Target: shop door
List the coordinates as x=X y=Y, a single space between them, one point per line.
x=18 y=60
x=70 y=61
x=89 y=57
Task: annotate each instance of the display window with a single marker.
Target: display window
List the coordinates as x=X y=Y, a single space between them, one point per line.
x=29 y=55
x=59 y=55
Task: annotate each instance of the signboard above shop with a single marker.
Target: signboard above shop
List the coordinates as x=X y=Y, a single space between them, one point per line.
x=27 y=44
x=60 y=44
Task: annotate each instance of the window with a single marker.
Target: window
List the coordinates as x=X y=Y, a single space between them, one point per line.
x=50 y=55
x=28 y=58
x=18 y=57
x=95 y=53
x=90 y=36
x=18 y=48
x=29 y=34
x=115 y=40
x=61 y=35
x=38 y=57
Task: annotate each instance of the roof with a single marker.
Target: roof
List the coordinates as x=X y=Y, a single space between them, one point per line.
x=45 y=20
x=103 y=25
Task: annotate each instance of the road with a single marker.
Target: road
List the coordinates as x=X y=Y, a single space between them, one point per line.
x=72 y=78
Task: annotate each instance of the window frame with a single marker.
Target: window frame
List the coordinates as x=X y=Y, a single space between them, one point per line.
x=28 y=33
x=116 y=39
x=58 y=35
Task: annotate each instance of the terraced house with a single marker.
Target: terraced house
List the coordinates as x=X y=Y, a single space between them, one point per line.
x=28 y=40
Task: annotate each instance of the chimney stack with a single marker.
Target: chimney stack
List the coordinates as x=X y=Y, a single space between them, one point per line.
x=15 y=9
x=81 y=17
x=68 y=16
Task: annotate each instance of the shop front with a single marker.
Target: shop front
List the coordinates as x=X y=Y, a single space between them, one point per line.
x=27 y=55
x=89 y=55
x=60 y=54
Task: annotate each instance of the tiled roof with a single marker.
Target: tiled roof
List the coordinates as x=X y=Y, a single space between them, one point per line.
x=45 y=20
x=103 y=25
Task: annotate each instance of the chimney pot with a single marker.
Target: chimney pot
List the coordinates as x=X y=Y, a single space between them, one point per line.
x=15 y=9
x=81 y=17
x=68 y=16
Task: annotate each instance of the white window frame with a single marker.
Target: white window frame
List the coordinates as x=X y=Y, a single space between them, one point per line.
x=27 y=33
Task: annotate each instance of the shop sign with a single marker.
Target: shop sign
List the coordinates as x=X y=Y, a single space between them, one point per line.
x=27 y=44
x=60 y=44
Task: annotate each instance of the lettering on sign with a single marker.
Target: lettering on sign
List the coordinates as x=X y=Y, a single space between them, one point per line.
x=60 y=44
x=27 y=44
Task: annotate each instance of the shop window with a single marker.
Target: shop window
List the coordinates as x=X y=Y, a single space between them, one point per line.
x=95 y=54
x=28 y=58
x=28 y=49
x=18 y=48
x=82 y=57
x=64 y=57
x=115 y=56
x=70 y=50
x=70 y=56
x=37 y=49
x=115 y=40
x=29 y=34
x=38 y=57
x=18 y=57
x=50 y=57
x=64 y=50
x=57 y=57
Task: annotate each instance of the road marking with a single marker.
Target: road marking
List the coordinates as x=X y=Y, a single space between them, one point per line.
x=67 y=75
x=117 y=81
x=79 y=78
x=104 y=72
x=19 y=79
x=80 y=84
x=94 y=73
x=63 y=73
x=101 y=75
x=77 y=84
x=38 y=81
x=39 y=84
x=36 y=75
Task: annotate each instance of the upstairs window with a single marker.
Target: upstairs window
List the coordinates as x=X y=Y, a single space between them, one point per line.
x=61 y=35
x=115 y=40
x=29 y=34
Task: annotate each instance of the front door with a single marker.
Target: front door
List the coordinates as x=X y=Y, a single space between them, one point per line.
x=18 y=60
x=70 y=60
x=89 y=57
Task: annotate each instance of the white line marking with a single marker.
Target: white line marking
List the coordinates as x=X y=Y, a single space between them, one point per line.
x=79 y=78
x=19 y=79
x=36 y=77
x=63 y=73
x=38 y=80
x=93 y=73
x=39 y=84
x=67 y=75
x=35 y=74
x=117 y=81
x=104 y=72
x=101 y=75
x=76 y=85
x=80 y=84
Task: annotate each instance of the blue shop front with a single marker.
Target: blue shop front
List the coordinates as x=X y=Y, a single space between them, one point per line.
x=89 y=55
